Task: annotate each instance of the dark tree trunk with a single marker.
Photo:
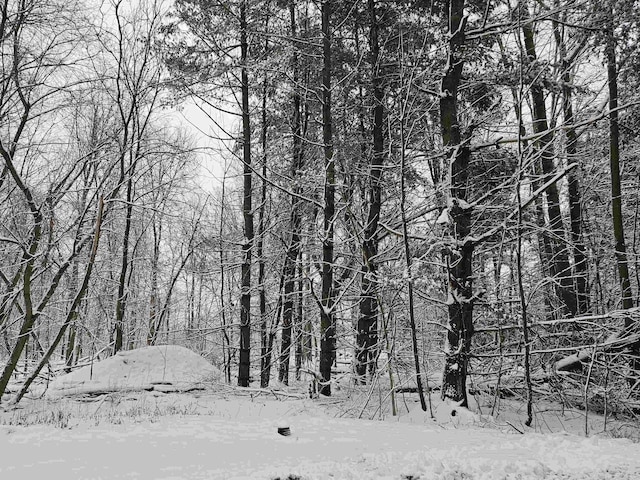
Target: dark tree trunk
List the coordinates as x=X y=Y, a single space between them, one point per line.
x=616 y=190
x=69 y=347
x=287 y=304
x=293 y=250
x=408 y=258
x=545 y=251
x=327 y=326
x=265 y=375
x=264 y=381
x=459 y=252
x=367 y=323
x=544 y=247
x=299 y=322
x=245 y=297
x=560 y=267
x=29 y=315
x=581 y=273
x=73 y=309
x=260 y=254
x=121 y=300
x=226 y=341
x=153 y=298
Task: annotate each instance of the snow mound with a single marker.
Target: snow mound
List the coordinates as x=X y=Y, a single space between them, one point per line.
x=445 y=413
x=166 y=368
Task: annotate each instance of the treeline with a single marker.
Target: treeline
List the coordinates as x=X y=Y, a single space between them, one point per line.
x=410 y=188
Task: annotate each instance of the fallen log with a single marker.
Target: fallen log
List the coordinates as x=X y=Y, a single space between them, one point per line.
x=615 y=343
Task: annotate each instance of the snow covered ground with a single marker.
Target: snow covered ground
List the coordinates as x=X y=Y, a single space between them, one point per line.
x=226 y=433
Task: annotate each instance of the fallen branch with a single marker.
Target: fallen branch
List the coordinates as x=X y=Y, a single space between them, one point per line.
x=616 y=342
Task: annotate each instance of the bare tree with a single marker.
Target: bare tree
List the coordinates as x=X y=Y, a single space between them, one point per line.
x=137 y=90
x=34 y=58
x=560 y=266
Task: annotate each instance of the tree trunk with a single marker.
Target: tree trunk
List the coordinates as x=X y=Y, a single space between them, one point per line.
x=287 y=306
x=299 y=322
x=29 y=315
x=616 y=192
x=407 y=252
x=560 y=267
x=614 y=162
x=245 y=297
x=368 y=321
x=73 y=309
x=69 y=347
x=544 y=247
x=459 y=252
x=121 y=300
x=153 y=298
x=327 y=320
x=264 y=380
x=581 y=273
x=265 y=375
x=293 y=250
x=226 y=341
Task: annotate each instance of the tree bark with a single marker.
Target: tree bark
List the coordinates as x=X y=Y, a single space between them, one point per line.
x=293 y=249
x=245 y=297
x=327 y=320
x=299 y=321
x=616 y=194
x=264 y=380
x=614 y=163
x=459 y=252
x=368 y=321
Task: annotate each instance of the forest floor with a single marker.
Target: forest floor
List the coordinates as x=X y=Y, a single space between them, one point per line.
x=221 y=432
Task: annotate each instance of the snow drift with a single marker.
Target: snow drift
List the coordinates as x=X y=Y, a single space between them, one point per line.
x=167 y=368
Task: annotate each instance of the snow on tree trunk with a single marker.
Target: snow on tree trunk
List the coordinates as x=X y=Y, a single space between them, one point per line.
x=459 y=250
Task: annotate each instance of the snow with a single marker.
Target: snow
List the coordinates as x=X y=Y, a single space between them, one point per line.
x=231 y=433
x=238 y=439
x=450 y=299
x=458 y=202
x=166 y=368
x=444 y=218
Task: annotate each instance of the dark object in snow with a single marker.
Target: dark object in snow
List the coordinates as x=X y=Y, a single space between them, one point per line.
x=313 y=389
x=284 y=431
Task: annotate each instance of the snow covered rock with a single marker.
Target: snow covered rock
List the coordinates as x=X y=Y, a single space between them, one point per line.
x=166 y=368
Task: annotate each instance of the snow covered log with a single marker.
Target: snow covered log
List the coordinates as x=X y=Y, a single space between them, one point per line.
x=615 y=343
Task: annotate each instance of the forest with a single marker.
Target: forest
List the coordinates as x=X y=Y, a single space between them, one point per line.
x=439 y=197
